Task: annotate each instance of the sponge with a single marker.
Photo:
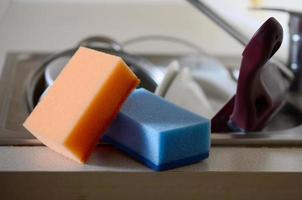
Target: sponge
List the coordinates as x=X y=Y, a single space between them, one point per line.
x=159 y=134
x=82 y=102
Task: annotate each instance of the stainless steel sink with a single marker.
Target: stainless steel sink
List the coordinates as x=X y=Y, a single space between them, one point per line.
x=285 y=128
x=289 y=116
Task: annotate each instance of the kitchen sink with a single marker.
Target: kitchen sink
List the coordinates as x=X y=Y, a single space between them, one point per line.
x=20 y=72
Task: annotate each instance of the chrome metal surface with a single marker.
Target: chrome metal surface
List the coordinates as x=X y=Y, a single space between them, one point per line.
x=215 y=17
x=100 y=41
x=141 y=67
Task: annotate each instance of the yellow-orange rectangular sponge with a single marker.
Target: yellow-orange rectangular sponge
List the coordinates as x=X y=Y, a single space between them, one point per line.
x=82 y=103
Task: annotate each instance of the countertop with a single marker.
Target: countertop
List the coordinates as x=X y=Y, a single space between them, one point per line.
x=105 y=158
x=229 y=173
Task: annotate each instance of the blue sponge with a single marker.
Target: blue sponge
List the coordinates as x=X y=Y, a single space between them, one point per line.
x=159 y=134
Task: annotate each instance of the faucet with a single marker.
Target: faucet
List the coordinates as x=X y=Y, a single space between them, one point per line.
x=292 y=69
x=215 y=17
x=295 y=45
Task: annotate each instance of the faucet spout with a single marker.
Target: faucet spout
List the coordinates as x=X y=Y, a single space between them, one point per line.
x=239 y=36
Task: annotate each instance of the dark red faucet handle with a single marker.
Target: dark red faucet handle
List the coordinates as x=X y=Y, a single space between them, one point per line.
x=262 y=46
x=219 y=121
x=265 y=42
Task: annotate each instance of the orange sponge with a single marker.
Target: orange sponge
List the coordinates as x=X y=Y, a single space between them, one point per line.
x=82 y=103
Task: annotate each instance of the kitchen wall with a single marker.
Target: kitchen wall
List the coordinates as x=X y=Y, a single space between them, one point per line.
x=3 y=7
x=32 y=25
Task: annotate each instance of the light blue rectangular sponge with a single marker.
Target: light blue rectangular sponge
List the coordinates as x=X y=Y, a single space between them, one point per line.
x=158 y=133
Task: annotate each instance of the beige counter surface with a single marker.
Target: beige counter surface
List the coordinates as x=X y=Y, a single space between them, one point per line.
x=105 y=158
x=229 y=173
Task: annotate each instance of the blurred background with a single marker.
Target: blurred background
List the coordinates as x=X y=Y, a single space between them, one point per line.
x=54 y=25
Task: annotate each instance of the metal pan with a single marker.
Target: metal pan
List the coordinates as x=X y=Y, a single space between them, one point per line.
x=145 y=71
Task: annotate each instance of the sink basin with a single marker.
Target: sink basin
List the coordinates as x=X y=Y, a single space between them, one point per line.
x=287 y=117
x=285 y=128
x=282 y=129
